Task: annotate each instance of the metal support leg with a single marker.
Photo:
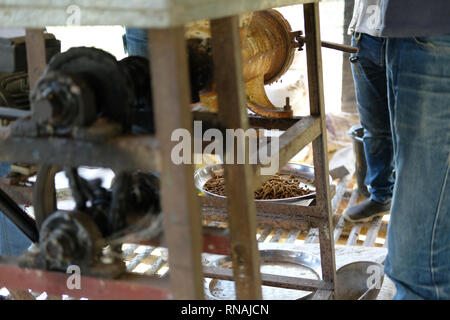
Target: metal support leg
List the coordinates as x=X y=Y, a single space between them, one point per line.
x=182 y=217
x=238 y=177
x=317 y=108
x=36 y=54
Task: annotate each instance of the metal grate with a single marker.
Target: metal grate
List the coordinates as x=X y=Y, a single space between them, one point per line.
x=150 y=260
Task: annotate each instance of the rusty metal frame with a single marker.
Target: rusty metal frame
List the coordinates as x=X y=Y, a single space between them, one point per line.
x=36 y=58
x=128 y=287
x=297 y=136
x=120 y=153
x=320 y=150
x=183 y=217
x=226 y=43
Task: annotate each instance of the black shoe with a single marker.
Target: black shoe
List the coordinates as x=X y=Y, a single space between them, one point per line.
x=366 y=211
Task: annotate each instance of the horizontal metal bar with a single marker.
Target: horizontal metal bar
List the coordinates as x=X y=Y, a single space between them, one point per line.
x=122 y=153
x=267 y=207
x=22 y=195
x=291 y=142
x=276 y=215
x=322 y=294
x=136 y=13
x=339 y=47
x=12 y=114
x=125 y=152
x=269 y=279
x=127 y=287
x=210 y=120
x=330 y=45
x=19 y=217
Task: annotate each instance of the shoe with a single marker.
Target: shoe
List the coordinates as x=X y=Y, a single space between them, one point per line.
x=366 y=211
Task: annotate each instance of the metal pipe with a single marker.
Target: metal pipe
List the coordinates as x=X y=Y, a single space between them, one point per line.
x=12 y=113
x=331 y=45
x=340 y=47
x=12 y=211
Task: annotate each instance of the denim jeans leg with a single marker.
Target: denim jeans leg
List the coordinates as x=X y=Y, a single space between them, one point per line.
x=418 y=258
x=136 y=42
x=369 y=74
x=12 y=241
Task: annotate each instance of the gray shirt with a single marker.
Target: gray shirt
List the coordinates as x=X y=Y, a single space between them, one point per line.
x=366 y=17
x=407 y=18
x=401 y=18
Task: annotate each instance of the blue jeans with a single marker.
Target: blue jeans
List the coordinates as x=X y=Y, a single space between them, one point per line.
x=369 y=75
x=136 y=42
x=12 y=241
x=418 y=261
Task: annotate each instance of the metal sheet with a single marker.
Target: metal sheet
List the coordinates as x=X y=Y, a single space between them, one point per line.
x=133 y=13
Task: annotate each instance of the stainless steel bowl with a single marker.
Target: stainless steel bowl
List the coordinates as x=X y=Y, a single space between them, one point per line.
x=354 y=281
x=302 y=259
x=305 y=173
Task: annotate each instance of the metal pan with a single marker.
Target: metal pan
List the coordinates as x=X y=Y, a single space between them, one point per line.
x=222 y=289
x=305 y=173
x=361 y=280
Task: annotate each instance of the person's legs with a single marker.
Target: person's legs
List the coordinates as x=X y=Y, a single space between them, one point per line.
x=12 y=241
x=369 y=74
x=418 y=258
x=136 y=42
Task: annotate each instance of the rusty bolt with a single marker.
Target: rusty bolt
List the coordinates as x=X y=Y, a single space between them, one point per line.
x=287 y=106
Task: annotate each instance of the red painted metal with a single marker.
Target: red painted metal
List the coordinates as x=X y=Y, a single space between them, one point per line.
x=215 y=241
x=216 y=244
x=128 y=287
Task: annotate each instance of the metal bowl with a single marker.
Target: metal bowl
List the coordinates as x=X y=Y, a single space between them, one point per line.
x=305 y=173
x=354 y=281
x=298 y=258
